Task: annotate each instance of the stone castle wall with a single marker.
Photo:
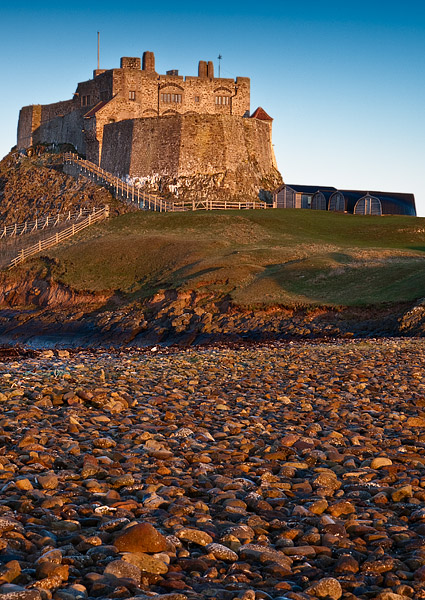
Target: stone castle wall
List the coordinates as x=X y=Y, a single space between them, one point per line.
x=29 y=121
x=65 y=129
x=137 y=122
x=149 y=94
x=234 y=151
x=60 y=122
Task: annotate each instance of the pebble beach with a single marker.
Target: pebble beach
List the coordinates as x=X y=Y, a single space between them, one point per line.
x=279 y=471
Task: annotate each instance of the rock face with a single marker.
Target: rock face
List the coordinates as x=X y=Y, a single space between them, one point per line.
x=88 y=319
x=192 y=157
x=35 y=185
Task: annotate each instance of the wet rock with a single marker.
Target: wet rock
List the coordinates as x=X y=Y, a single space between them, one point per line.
x=195 y=536
x=328 y=588
x=142 y=537
x=380 y=462
x=123 y=569
x=146 y=562
x=221 y=552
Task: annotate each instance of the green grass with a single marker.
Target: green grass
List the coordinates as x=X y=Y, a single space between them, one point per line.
x=257 y=257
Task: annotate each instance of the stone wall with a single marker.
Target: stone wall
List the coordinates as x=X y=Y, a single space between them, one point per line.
x=219 y=156
x=151 y=95
x=118 y=109
x=67 y=129
x=29 y=120
x=56 y=122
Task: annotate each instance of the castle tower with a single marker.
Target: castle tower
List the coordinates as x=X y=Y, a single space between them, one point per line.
x=210 y=69
x=148 y=61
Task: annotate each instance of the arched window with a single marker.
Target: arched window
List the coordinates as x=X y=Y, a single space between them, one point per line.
x=318 y=202
x=368 y=205
x=337 y=202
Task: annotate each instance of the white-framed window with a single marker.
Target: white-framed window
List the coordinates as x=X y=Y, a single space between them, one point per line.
x=132 y=95
x=222 y=100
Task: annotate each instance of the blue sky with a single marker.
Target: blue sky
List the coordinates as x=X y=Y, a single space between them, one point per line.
x=343 y=80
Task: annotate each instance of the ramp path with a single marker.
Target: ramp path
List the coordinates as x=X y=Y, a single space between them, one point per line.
x=76 y=166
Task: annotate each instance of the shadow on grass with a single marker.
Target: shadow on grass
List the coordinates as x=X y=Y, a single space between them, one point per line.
x=417 y=248
x=348 y=286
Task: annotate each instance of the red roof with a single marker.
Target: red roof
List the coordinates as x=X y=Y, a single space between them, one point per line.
x=261 y=114
x=95 y=108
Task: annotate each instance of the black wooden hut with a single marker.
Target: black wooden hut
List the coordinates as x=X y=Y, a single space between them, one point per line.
x=297 y=196
x=348 y=201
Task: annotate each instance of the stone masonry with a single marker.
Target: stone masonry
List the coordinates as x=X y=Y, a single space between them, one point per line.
x=136 y=92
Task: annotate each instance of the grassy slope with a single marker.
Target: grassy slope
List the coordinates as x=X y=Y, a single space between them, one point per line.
x=258 y=257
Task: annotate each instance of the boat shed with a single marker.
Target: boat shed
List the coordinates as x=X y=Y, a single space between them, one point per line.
x=297 y=196
x=359 y=202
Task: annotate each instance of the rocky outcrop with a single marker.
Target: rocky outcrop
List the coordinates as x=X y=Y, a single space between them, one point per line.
x=32 y=184
x=412 y=323
x=39 y=311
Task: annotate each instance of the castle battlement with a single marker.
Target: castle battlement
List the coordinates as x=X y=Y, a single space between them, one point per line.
x=135 y=91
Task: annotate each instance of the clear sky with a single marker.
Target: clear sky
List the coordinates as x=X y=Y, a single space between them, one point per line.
x=344 y=80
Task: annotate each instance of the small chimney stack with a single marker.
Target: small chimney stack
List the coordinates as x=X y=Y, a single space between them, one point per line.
x=148 y=62
x=202 y=69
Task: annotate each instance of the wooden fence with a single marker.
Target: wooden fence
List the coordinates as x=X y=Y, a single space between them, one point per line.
x=18 y=229
x=74 y=165
x=95 y=216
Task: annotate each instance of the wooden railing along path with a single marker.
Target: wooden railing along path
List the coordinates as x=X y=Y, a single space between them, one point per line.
x=94 y=216
x=74 y=165
x=18 y=229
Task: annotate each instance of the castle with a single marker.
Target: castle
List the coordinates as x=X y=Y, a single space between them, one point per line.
x=191 y=135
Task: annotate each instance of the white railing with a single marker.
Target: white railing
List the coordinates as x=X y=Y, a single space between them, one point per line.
x=57 y=238
x=143 y=200
x=41 y=223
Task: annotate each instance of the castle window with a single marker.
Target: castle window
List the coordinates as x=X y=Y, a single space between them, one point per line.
x=168 y=98
x=196 y=98
x=222 y=100
x=85 y=100
x=132 y=95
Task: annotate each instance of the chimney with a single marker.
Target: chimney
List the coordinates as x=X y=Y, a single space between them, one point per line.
x=130 y=62
x=210 y=69
x=148 y=62
x=202 y=69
